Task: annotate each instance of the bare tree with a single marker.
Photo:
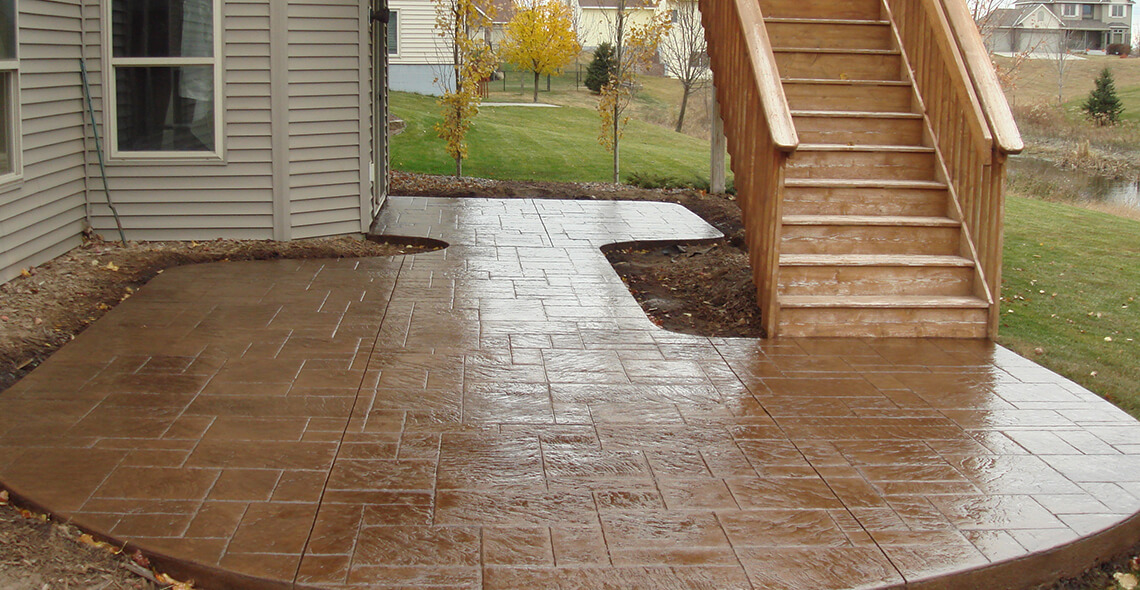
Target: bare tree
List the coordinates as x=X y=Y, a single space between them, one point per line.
x=1061 y=61
x=685 y=52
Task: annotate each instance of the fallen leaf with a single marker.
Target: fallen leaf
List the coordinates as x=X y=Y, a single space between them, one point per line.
x=140 y=559
x=1108 y=338
x=24 y=272
x=111 y=266
x=3 y=497
x=89 y=540
x=1094 y=374
x=37 y=321
x=1126 y=581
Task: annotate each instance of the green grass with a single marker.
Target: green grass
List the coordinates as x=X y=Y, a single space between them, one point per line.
x=1131 y=99
x=545 y=144
x=1072 y=279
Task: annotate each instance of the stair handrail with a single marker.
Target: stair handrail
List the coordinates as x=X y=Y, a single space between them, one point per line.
x=980 y=67
x=760 y=132
x=767 y=74
x=971 y=159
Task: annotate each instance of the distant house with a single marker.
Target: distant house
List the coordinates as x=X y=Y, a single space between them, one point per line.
x=597 y=19
x=1024 y=29
x=217 y=119
x=419 y=59
x=1047 y=25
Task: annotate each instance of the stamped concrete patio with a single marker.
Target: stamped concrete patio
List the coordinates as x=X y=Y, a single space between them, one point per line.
x=501 y=414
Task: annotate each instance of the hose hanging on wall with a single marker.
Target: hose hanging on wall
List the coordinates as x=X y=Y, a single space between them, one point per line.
x=99 y=148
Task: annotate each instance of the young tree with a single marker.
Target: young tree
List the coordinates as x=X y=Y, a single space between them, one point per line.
x=685 y=53
x=1103 y=105
x=635 y=46
x=1061 y=60
x=541 y=39
x=458 y=23
x=601 y=68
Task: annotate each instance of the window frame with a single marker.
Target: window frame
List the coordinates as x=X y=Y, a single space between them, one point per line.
x=11 y=67
x=111 y=104
x=1114 y=7
x=393 y=19
x=1070 y=10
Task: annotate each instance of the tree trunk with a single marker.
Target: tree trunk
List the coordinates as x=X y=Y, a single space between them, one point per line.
x=684 y=107
x=459 y=167
x=536 y=77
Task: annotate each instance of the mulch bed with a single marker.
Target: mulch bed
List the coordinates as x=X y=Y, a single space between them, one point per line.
x=697 y=289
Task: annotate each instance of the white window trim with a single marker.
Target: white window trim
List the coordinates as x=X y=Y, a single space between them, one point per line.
x=1116 y=7
x=394 y=17
x=12 y=67
x=1070 y=10
x=111 y=115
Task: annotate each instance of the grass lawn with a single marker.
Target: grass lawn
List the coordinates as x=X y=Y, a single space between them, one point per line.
x=1072 y=279
x=555 y=144
x=1036 y=79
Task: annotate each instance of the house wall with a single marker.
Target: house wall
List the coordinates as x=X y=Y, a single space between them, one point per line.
x=231 y=197
x=598 y=25
x=329 y=114
x=421 y=56
x=42 y=211
x=294 y=127
x=295 y=156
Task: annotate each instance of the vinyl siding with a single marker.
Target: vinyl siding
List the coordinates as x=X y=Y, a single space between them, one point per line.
x=42 y=212
x=231 y=198
x=418 y=43
x=328 y=117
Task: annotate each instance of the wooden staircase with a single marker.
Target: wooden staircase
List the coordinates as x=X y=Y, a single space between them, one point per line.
x=863 y=234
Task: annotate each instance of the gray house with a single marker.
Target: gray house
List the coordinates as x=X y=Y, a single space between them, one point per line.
x=1046 y=26
x=217 y=119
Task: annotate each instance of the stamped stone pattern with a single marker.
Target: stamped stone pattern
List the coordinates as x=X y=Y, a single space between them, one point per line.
x=502 y=414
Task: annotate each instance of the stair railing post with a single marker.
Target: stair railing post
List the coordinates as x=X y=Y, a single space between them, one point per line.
x=718 y=182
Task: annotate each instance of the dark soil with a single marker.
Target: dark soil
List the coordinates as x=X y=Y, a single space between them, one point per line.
x=698 y=289
x=38 y=555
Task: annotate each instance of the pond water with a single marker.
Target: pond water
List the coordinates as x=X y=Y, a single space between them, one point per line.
x=1073 y=185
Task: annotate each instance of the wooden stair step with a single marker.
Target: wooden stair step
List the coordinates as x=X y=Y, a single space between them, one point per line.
x=865 y=183
x=814 y=93
x=835 y=82
x=839 y=64
x=873 y=220
x=831 y=147
x=835 y=51
x=874 y=260
x=824 y=21
x=857 y=114
x=884 y=302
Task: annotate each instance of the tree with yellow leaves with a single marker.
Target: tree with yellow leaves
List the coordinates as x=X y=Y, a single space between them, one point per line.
x=635 y=47
x=541 y=39
x=458 y=23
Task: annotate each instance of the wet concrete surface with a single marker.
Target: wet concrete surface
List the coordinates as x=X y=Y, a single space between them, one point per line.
x=501 y=414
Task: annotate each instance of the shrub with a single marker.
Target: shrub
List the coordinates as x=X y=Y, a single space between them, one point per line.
x=1119 y=49
x=649 y=180
x=601 y=68
x=1103 y=105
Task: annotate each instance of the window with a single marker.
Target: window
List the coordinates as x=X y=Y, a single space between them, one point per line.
x=164 y=78
x=1117 y=11
x=1087 y=11
x=1069 y=10
x=9 y=82
x=394 y=33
